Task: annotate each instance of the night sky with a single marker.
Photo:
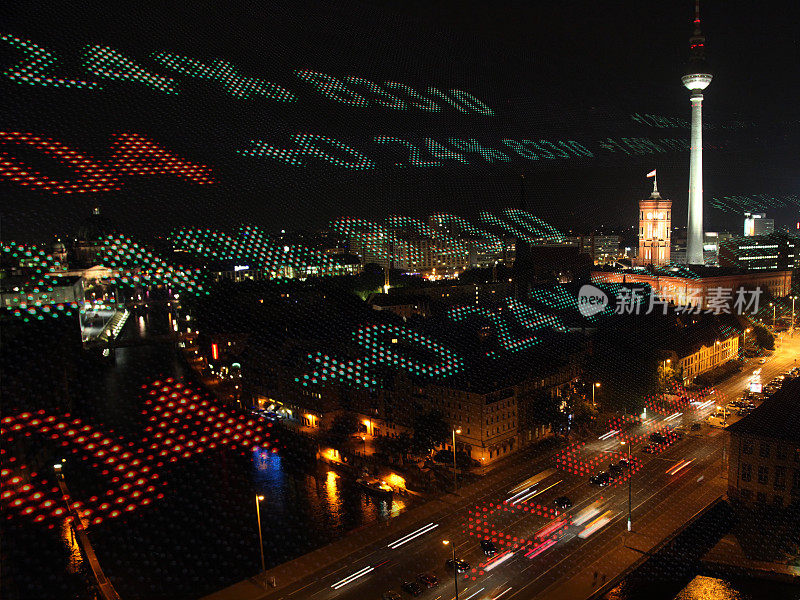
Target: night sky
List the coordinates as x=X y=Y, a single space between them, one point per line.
x=570 y=70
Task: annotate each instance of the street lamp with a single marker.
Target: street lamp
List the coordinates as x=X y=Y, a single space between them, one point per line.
x=630 y=477
x=261 y=539
x=744 y=341
x=772 y=304
x=364 y=444
x=455 y=566
x=595 y=385
x=793 y=299
x=455 y=478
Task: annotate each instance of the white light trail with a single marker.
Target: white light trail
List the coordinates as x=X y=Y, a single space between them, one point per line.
x=585 y=515
x=501 y=594
x=499 y=560
x=519 y=496
x=527 y=495
x=351 y=578
x=414 y=534
x=673 y=416
x=608 y=435
x=475 y=594
x=531 y=481
x=596 y=524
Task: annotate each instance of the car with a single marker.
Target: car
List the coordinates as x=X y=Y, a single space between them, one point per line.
x=411 y=587
x=695 y=426
x=615 y=470
x=650 y=449
x=488 y=547
x=658 y=437
x=563 y=502
x=391 y=595
x=461 y=566
x=429 y=580
x=602 y=479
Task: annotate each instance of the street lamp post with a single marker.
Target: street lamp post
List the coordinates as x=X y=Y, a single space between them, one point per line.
x=772 y=304
x=630 y=483
x=364 y=444
x=455 y=566
x=793 y=299
x=594 y=385
x=261 y=539
x=455 y=477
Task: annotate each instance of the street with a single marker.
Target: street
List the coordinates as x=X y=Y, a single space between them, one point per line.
x=543 y=552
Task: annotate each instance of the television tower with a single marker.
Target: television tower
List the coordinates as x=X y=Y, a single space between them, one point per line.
x=697 y=78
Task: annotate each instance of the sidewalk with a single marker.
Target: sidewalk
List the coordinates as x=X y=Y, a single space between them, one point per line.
x=363 y=538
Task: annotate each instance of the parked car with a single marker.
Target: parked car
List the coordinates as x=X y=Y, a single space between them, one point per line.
x=429 y=580
x=488 y=547
x=391 y=595
x=411 y=587
x=563 y=502
x=461 y=566
x=602 y=479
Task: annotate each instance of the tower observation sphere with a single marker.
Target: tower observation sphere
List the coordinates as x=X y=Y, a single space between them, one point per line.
x=697 y=78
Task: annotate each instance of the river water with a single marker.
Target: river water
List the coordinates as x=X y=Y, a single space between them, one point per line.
x=202 y=534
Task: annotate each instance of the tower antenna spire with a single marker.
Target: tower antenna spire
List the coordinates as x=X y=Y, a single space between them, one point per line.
x=697 y=78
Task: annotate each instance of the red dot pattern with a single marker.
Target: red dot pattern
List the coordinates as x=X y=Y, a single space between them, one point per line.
x=182 y=423
x=93 y=177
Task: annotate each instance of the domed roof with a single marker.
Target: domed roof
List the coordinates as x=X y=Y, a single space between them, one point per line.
x=94 y=227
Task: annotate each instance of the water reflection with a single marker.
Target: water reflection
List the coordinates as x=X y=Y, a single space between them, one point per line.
x=708 y=588
x=70 y=540
x=202 y=535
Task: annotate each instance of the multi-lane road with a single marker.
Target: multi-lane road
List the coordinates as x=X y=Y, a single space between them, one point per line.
x=542 y=549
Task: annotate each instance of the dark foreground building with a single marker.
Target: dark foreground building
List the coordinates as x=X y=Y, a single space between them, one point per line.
x=764 y=466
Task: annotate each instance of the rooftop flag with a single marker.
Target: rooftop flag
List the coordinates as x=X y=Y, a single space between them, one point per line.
x=652 y=173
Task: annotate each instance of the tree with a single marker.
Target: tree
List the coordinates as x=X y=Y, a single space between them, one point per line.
x=763 y=337
x=389 y=446
x=430 y=430
x=343 y=426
